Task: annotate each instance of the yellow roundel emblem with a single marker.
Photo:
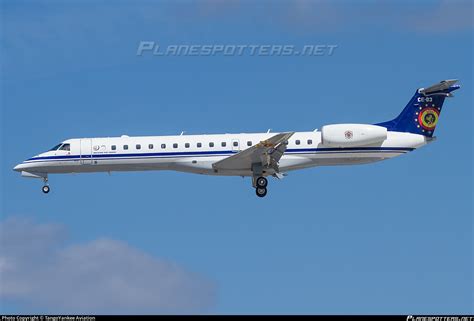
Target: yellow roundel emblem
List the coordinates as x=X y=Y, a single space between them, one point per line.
x=428 y=117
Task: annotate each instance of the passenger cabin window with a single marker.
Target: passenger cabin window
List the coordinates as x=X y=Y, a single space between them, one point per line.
x=249 y=143
x=65 y=147
x=297 y=142
x=199 y=145
x=211 y=144
x=113 y=147
x=163 y=146
x=138 y=146
x=150 y=146
x=125 y=147
x=235 y=144
x=175 y=145
x=310 y=142
x=186 y=145
x=223 y=144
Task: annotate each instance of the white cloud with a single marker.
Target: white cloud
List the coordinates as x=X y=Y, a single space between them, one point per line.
x=102 y=276
x=447 y=16
x=435 y=17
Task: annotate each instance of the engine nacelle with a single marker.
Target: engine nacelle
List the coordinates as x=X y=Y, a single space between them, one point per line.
x=349 y=135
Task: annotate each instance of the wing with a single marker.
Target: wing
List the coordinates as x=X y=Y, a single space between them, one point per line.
x=267 y=153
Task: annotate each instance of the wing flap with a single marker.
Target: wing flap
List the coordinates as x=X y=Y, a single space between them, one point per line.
x=267 y=153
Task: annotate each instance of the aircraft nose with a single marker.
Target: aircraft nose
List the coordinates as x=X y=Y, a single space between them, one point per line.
x=19 y=167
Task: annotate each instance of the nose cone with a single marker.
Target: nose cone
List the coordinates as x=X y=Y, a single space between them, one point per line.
x=19 y=167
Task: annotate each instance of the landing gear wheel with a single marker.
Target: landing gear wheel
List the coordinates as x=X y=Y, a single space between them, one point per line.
x=262 y=182
x=46 y=189
x=261 y=191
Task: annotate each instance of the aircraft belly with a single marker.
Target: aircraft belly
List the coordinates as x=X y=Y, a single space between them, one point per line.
x=99 y=165
x=293 y=162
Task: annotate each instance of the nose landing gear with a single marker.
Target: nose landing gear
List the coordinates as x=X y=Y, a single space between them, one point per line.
x=45 y=188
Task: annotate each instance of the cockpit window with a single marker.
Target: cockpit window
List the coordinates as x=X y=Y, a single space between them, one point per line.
x=61 y=146
x=56 y=147
x=65 y=147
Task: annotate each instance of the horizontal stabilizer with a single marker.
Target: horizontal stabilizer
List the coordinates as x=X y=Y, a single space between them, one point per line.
x=442 y=86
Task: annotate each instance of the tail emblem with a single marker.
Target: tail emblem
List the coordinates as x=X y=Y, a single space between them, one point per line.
x=428 y=118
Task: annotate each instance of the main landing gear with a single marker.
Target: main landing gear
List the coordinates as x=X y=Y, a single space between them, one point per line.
x=260 y=185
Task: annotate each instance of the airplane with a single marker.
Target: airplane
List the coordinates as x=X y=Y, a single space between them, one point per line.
x=255 y=155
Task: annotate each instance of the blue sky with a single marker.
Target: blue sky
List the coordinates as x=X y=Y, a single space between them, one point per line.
x=391 y=237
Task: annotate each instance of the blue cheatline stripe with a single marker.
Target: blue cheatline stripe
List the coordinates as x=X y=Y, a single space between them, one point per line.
x=112 y=157
x=169 y=154
x=294 y=151
x=350 y=149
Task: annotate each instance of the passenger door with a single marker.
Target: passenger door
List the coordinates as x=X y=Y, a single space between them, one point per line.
x=86 y=151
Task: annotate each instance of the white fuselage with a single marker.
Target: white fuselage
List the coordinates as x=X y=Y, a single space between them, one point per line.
x=197 y=153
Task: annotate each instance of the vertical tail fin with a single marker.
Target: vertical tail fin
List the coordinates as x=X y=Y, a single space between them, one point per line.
x=421 y=114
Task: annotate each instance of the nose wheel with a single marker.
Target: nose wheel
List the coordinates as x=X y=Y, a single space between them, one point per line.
x=45 y=189
x=260 y=185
